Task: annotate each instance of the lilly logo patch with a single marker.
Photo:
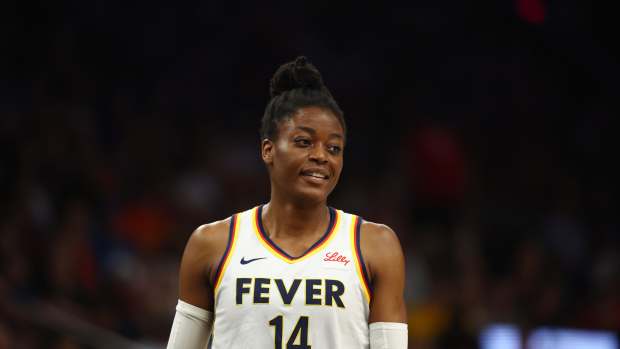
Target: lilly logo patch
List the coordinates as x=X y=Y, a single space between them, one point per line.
x=336 y=257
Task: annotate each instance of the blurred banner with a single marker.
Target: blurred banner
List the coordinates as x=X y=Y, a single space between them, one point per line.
x=501 y=336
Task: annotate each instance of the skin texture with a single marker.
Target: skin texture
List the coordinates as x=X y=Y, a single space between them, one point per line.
x=310 y=142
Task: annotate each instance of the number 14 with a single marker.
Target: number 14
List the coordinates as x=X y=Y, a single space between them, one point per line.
x=299 y=336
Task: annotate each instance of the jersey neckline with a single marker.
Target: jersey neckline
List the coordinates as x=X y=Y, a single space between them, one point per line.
x=275 y=249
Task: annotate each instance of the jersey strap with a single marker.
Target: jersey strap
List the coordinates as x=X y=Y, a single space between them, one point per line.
x=232 y=238
x=362 y=273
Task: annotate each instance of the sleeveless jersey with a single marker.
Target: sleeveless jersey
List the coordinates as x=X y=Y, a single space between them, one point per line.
x=265 y=298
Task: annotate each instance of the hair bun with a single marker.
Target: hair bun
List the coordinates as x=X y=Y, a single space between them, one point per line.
x=299 y=73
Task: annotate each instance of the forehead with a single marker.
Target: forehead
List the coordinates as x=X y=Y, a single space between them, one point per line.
x=318 y=119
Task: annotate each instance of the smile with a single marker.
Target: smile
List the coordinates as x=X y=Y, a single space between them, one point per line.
x=315 y=174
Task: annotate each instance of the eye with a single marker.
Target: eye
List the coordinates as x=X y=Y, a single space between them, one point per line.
x=302 y=142
x=334 y=149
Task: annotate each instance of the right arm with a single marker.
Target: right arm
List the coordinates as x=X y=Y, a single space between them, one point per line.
x=193 y=321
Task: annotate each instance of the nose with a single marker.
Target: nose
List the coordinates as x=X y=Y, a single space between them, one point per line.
x=317 y=154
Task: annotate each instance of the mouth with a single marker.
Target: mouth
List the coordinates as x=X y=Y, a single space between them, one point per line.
x=314 y=174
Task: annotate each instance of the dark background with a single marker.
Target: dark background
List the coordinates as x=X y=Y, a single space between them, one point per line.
x=484 y=134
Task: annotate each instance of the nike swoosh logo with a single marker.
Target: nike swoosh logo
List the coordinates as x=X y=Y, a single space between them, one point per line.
x=246 y=261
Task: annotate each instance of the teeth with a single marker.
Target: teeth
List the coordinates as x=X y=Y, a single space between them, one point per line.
x=317 y=175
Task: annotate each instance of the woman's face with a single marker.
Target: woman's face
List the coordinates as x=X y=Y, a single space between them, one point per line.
x=305 y=160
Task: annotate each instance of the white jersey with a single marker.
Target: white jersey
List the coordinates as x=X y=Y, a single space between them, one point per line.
x=266 y=299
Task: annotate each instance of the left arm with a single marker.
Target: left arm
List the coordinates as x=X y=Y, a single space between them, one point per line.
x=385 y=263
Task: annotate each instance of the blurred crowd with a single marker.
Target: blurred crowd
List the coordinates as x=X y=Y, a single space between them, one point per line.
x=492 y=162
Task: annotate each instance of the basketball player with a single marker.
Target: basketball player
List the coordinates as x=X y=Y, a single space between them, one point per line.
x=294 y=273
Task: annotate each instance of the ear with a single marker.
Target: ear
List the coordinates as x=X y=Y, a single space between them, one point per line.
x=267 y=151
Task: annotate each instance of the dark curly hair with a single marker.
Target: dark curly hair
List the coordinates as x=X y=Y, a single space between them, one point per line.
x=296 y=85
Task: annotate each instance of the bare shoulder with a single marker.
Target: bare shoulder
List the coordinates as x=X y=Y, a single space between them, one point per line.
x=203 y=251
x=386 y=263
x=206 y=246
x=378 y=235
x=211 y=235
x=381 y=248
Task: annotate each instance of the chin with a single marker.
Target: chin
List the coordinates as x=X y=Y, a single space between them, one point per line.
x=311 y=196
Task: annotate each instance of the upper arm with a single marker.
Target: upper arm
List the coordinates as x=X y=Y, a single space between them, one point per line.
x=202 y=254
x=386 y=264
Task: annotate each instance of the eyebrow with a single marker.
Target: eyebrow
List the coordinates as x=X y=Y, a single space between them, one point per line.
x=312 y=131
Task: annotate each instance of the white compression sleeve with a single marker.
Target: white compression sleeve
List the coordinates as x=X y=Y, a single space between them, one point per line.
x=388 y=335
x=191 y=327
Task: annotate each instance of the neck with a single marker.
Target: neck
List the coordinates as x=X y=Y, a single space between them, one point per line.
x=286 y=219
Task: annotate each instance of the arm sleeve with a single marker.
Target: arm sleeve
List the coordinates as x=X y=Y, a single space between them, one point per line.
x=388 y=335
x=191 y=327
